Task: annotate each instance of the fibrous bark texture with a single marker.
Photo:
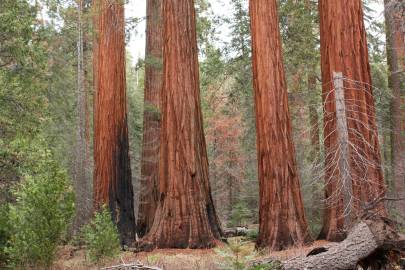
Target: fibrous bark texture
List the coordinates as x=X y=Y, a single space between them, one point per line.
x=282 y=219
x=149 y=194
x=112 y=173
x=185 y=216
x=344 y=49
x=395 y=25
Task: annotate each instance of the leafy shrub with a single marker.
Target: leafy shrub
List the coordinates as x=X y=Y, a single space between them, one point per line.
x=4 y=234
x=39 y=218
x=240 y=214
x=101 y=237
x=252 y=234
x=236 y=256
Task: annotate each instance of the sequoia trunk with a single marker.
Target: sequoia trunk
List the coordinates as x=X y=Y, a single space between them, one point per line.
x=185 y=216
x=112 y=173
x=344 y=49
x=395 y=24
x=282 y=219
x=149 y=194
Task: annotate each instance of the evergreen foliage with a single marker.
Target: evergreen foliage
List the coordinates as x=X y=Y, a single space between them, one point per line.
x=101 y=237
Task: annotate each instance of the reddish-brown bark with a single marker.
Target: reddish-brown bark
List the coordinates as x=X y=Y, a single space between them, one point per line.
x=395 y=25
x=185 y=216
x=149 y=194
x=344 y=49
x=112 y=173
x=282 y=218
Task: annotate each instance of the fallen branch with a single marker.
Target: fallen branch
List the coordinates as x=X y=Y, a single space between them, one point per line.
x=131 y=266
x=237 y=231
x=362 y=244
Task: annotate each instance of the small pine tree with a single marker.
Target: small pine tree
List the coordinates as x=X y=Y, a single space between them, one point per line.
x=101 y=237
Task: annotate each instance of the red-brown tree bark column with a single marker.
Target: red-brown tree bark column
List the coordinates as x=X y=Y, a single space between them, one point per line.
x=185 y=216
x=395 y=24
x=149 y=194
x=281 y=214
x=344 y=49
x=112 y=173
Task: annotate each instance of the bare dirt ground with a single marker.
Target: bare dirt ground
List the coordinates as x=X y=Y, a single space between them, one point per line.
x=72 y=258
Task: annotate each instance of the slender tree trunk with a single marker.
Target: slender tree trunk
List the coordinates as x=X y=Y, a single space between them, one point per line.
x=112 y=172
x=395 y=24
x=316 y=147
x=81 y=181
x=344 y=49
x=149 y=194
x=185 y=216
x=282 y=218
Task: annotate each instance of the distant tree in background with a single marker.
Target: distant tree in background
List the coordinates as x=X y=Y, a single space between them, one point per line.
x=299 y=29
x=281 y=211
x=81 y=177
x=149 y=193
x=395 y=33
x=224 y=137
x=112 y=172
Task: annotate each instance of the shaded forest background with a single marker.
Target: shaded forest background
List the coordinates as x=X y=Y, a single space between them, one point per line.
x=46 y=102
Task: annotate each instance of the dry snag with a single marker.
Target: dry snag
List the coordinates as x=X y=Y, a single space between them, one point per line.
x=185 y=215
x=281 y=215
x=112 y=172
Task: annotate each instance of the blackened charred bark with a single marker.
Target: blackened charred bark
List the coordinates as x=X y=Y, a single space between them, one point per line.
x=112 y=173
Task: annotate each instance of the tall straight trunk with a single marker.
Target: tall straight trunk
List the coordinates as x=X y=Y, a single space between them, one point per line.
x=112 y=172
x=344 y=49
x=316 y=147
x=81 y=181
x=149 y=194
x=395 y=25
x=185 y=216
x=281 y=213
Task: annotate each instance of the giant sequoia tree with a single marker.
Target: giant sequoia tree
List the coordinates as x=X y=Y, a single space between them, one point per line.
x=282 y=219
x=185 y=215
x=112 y=173
x=344 y=49
x=395 y=25
x=151 y=122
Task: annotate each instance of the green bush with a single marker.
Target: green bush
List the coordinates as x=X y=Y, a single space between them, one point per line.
x=39 y=218
x=101 y=237
x=252 y=234
x=4 y=234
x=236 y=255
x=240 y=214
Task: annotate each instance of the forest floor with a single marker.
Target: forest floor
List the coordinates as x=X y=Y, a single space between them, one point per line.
x=222 y=257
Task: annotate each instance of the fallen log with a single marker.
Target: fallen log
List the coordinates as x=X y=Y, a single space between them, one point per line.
x=367 y=240
x=131 y=266
x=237 y=231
